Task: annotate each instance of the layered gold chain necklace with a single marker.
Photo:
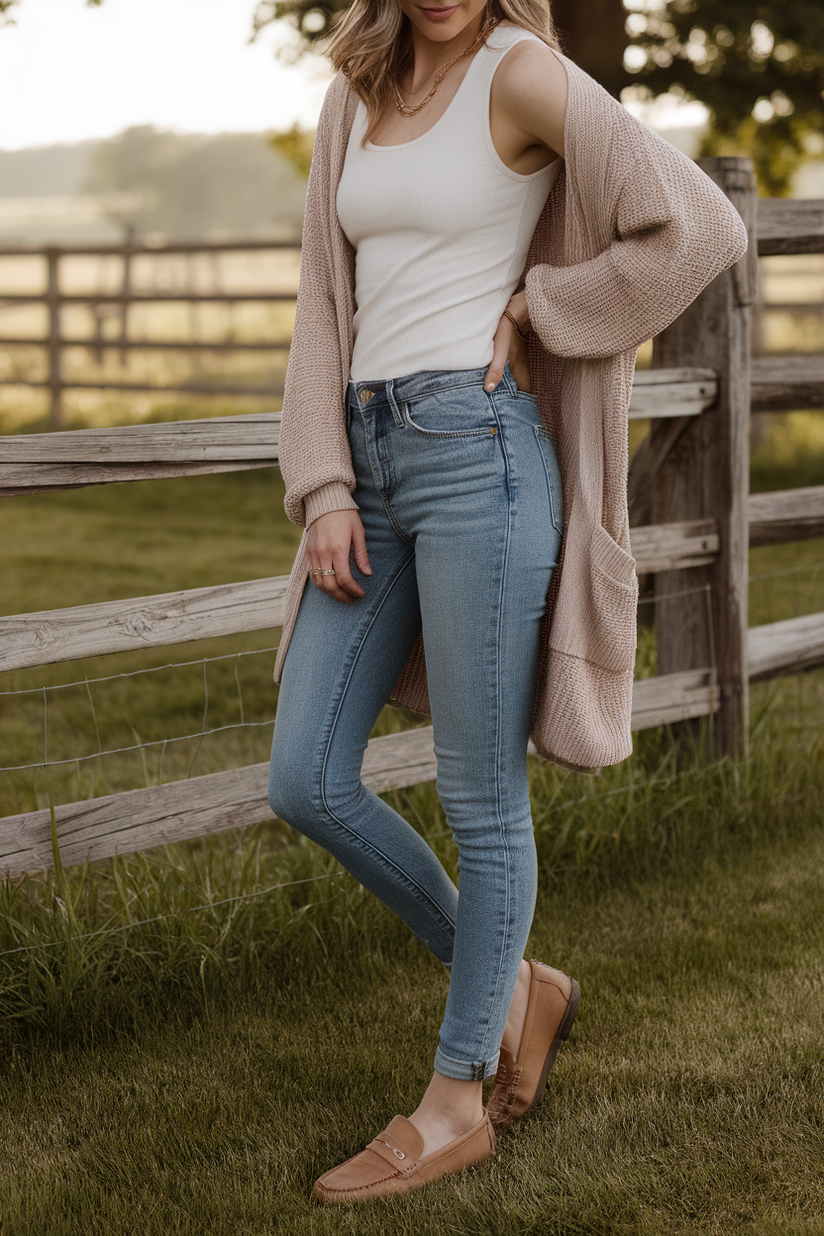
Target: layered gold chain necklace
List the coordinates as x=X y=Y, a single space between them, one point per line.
x=487 y=26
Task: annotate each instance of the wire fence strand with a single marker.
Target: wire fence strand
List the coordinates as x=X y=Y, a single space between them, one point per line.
x=796 y=570
x=209 y=905
x=151 y=669
x=87 y=682
x=139 y=746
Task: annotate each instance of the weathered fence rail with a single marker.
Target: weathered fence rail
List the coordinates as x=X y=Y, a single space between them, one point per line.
x=694 y=520
x=55 y=300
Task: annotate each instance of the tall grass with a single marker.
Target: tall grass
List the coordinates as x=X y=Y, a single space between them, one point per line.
x=198 y=1070
x=88 y=950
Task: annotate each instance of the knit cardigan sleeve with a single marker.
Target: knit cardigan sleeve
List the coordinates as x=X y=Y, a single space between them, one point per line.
x=313 y=451
x=661 y=231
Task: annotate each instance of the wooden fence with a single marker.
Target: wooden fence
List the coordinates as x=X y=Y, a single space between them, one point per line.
x=693 y=523
x=56 y=299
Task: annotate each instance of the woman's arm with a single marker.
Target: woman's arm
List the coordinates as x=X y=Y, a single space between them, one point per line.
x=652 y=231
x=658 y=230
x=528 y=106
x=674 y=231
x=528 y=113
x=313 y=450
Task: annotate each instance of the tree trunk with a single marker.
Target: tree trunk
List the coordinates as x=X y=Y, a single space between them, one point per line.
x=593 y=35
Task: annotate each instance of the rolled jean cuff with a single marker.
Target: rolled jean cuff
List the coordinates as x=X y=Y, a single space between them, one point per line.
x=464 y=1070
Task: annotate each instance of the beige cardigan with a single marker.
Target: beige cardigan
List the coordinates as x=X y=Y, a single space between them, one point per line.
x=631 y=233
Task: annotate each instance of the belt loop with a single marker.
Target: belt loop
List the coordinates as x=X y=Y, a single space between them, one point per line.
x=397 y=415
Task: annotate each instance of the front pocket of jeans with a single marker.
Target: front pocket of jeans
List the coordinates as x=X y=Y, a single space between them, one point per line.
x=553 y=477
x=444 y=414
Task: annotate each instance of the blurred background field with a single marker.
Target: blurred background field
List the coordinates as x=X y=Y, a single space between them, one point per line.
x=790 y=319
x=25 y=409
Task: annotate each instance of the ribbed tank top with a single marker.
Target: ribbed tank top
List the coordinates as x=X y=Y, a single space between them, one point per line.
x=441 y=228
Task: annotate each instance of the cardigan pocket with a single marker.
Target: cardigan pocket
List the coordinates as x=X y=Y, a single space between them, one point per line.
x=613 y=603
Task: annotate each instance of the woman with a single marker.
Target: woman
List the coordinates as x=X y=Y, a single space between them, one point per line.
x=483 y=222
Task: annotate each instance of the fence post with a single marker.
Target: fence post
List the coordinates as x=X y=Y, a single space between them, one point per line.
x=55 y=343
x=126 y=288
x=706 y=474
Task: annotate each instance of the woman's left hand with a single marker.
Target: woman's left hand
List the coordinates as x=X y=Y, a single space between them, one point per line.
x=508 y=345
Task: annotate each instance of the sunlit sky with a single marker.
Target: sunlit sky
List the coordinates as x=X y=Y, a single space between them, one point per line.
x=69 y=72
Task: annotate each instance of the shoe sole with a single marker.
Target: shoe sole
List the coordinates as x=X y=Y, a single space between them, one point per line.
x=561 y=1034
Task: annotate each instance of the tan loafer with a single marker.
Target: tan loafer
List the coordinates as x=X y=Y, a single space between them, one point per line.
x=392 y=1163
x=553 y=1003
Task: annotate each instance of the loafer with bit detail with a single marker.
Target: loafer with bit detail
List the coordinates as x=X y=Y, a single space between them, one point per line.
x=551 y=1010
x=393 y=1162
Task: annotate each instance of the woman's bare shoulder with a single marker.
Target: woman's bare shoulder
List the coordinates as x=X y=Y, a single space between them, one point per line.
x=531 y=88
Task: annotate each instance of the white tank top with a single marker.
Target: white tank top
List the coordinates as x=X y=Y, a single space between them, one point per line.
x=441 y=229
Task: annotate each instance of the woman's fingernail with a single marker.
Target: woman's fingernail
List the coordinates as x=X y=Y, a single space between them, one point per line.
x=490 y=386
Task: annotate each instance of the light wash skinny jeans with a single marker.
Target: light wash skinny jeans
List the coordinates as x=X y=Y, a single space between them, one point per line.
x=460 y=496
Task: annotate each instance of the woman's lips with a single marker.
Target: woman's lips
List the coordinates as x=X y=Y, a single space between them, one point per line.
x=440 y=14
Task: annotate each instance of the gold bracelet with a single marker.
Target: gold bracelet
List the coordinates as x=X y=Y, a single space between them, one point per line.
x=507 y=314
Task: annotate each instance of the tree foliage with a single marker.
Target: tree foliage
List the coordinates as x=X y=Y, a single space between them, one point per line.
x=7 y=5
x=757 y=66
x=189 y=185
x=296 y=145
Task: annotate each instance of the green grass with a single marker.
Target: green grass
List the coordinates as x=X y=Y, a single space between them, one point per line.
x=195 y=1073
x=106 y=543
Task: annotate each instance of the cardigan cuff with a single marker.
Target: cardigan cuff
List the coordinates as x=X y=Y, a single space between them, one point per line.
x=332 y=497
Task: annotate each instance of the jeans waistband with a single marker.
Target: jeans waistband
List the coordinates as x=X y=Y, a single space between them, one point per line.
x=425 y=382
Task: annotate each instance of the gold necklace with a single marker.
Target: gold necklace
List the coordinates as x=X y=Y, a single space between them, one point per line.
x=486 y=29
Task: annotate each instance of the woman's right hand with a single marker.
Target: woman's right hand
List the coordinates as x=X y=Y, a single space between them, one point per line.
x=328 y=542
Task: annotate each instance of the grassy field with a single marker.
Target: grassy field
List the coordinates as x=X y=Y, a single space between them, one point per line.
x=68 y=548
x=196 y=1072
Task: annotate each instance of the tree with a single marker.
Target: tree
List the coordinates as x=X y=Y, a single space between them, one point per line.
x=7 y=5
x=191 y=185
x=757 y=66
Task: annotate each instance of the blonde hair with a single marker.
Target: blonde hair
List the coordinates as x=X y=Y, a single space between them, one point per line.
x=372 y=45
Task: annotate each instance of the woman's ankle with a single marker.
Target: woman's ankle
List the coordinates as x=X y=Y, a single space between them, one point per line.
x=448 y=1109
